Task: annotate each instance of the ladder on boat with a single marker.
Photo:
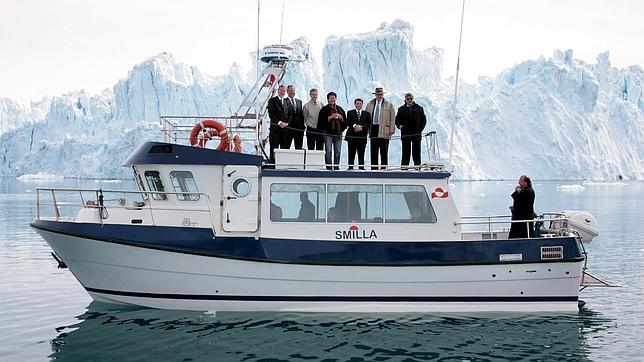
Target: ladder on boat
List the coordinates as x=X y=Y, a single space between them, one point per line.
x=249 y=121
x=589 y=280
x=252 y=111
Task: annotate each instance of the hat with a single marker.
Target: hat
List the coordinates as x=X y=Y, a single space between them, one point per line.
x=378 y=91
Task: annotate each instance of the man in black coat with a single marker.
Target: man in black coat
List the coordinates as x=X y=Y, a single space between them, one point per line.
x=522 y=209
x=277 y=112
x=358 y=123
x=295 y=118
x=411 y=121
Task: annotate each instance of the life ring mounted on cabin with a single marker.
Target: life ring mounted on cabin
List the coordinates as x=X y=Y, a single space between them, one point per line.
x=207 y=129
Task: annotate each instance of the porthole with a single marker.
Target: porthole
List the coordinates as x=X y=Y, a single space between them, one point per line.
x=241 y=187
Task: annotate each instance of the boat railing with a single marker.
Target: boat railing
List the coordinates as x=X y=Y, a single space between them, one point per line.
x=425 y=167
x=557 y=218
x=248 y=120
x=60 y=199
x=176 y=129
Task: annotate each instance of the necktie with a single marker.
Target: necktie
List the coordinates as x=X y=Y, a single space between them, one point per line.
x=358 y=115
x=376 y=114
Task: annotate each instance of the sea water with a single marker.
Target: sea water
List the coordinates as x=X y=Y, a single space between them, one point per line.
x=46 y=314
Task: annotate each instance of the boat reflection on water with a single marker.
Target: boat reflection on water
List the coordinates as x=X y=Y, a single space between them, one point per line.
x=136 y=333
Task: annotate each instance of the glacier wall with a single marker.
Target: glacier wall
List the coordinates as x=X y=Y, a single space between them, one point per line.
x=551 y=118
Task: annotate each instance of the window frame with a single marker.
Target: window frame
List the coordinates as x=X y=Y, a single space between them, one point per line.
x=184 y=195
x=430 y=213
x=156 y=187
x=366 y=206
x=317 y=205
x=139 y=183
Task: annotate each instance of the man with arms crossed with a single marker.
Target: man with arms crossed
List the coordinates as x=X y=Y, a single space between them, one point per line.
x=311 y=111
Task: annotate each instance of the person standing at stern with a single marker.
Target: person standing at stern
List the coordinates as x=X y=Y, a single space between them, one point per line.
x=411 y=121
x=522 y=209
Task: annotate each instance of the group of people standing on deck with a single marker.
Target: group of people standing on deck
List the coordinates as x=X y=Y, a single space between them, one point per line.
x=325 y=124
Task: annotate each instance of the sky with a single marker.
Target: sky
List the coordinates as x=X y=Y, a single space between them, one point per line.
x=50 y=47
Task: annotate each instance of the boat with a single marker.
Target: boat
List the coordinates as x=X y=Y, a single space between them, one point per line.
x=220 y=230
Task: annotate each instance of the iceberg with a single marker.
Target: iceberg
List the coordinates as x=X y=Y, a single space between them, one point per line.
x=552 y=118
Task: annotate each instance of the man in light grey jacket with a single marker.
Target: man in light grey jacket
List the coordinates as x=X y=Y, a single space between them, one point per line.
x=314 y=139
x=383 y=127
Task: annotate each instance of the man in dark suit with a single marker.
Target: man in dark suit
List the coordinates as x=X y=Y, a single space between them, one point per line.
x=295 y=119
x=358 y=122
x=411 y=121
x=277 y=112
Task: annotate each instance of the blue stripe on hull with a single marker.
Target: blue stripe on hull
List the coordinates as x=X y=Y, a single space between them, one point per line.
x=200 y=241
x=297 y=298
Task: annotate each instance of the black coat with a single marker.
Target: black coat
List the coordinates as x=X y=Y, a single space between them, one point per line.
x=276 y=113
x=295 y=114
x=523 y=209
x=413 y=121
x=323 y=120
x=364 y=121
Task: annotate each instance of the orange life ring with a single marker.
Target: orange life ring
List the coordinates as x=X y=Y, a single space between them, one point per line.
x=201 y=134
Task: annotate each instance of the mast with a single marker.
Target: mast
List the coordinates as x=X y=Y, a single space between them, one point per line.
x=257 y=58
x=258 y=125
x=282 y=22
x=455 y=110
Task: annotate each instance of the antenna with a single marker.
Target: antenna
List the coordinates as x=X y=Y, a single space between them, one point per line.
x=257 y=60
x=257 y=108
x=282 y=23
x=455 y=111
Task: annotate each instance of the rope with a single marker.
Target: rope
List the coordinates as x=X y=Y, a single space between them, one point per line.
x=357 y=137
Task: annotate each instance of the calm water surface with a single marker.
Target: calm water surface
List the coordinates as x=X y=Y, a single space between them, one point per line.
x=45 y=313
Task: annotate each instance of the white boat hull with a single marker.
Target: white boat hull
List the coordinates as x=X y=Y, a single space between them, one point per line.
x=147 y=277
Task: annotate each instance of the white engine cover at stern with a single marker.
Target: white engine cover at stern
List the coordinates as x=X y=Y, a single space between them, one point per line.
x=584 y=223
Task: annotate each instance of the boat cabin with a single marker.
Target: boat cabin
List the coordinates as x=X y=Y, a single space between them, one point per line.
x=236 y=195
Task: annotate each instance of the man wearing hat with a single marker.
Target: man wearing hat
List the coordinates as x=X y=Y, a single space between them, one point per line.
x=382 y=127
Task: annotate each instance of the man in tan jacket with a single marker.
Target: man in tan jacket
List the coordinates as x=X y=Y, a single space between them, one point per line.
x=383 y=127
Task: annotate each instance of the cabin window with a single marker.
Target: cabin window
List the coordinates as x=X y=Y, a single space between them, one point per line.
x=297 y=202
x=354 y=203
x=183 y=181
x=408 y=204
x=241 y=187
x=153 y=178
x=139 y=182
